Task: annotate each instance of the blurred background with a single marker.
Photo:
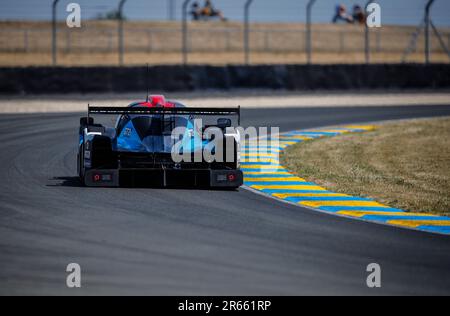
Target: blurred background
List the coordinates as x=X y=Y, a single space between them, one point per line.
x=151 y=31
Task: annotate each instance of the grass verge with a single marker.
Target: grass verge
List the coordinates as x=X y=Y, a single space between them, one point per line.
x=403 y=164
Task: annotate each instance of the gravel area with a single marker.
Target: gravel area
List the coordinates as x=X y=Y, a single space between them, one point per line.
x=246 y=99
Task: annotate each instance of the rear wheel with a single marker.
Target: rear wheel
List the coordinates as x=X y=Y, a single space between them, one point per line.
x=81 y=170
x=102 y=155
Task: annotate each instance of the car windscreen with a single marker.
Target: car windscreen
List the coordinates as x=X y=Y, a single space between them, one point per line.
x=153 y=125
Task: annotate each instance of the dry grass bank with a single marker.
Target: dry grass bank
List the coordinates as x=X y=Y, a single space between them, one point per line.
x=403 y=164
x=111 y=59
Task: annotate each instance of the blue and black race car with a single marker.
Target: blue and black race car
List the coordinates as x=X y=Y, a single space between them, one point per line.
x=139 y=150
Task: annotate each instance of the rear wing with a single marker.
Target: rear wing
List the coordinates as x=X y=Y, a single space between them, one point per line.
x=165 y=111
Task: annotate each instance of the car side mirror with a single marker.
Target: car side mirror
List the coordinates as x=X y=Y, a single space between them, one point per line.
x=223 y=123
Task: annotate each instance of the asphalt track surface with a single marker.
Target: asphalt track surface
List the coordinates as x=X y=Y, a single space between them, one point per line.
x=192 y=242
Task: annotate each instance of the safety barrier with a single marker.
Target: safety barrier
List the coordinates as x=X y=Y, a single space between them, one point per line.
x=37 y=80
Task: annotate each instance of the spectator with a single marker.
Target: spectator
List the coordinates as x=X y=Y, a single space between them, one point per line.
x=209 y=11
x=195 y=11
x=359 y=15
x=341 y=15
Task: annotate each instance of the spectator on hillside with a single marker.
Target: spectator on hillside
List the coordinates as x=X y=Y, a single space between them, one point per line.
x=341 y=15
x=208 y=10
x=195 y=11
x=358 y=15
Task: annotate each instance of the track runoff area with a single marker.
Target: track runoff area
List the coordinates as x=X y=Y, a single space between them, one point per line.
x=263 y=173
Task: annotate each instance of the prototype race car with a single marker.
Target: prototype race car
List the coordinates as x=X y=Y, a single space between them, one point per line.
x=139 y=150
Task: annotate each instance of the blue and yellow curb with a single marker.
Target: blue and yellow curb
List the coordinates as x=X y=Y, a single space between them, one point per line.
x=264 y=173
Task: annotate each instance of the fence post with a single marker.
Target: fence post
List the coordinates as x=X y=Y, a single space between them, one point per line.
x=54 y=35
x=185 y=32
x=367 y=36
x=248 y=3
x=25 y=39
x=378 y=42
x=171 y=10
x=228 y=41
x=68 y=42
x=110 y=42
x=120 y=31
x=150 y=41
x=427 y=31
x=266 y=41
x=308 y=45
x=440 y=39
x=341 y=42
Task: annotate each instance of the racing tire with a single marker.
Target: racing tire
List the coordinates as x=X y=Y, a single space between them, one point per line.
x=81 y=165
x=102 y=155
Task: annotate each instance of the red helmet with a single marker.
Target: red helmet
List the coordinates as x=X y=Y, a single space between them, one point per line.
x=157 y=101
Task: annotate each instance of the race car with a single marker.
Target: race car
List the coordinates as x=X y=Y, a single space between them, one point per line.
x=139 y=149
